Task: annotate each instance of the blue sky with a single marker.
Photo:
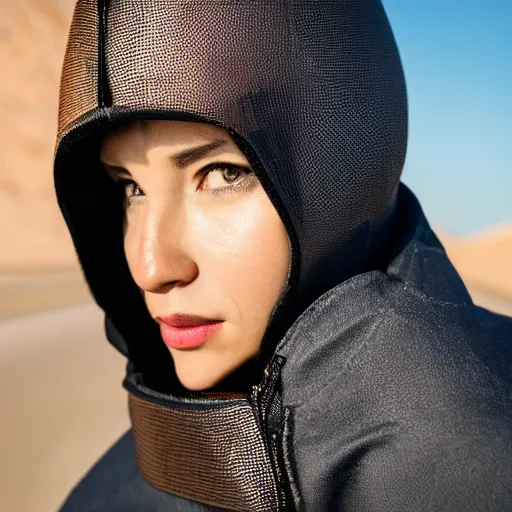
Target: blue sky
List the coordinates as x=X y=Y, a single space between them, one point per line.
x=458 y=67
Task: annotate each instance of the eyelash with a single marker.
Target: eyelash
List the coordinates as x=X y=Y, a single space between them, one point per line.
x=239 y=186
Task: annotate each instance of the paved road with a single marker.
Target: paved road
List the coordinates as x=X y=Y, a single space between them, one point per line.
x=62 y=403
x=30 y=292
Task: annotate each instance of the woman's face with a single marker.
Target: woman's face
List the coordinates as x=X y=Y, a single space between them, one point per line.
x=200 y=239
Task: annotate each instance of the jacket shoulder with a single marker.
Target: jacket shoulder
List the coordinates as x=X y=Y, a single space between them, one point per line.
x=401 y=403
x=394 y=333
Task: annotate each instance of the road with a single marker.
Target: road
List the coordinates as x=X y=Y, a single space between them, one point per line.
x=29 y=292
x=62 y=403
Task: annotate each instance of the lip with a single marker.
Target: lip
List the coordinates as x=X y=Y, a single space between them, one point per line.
x=182 y=320
x=187 y=331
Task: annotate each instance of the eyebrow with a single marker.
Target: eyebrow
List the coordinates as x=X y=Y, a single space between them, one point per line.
x=182 y=159
x=191 y=155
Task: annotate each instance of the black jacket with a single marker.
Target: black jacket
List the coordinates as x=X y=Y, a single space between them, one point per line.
x=380 y=386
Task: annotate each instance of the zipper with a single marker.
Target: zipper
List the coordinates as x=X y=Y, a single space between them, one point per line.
x=258 y=391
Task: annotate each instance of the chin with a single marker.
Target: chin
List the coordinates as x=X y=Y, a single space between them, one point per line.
x=200 y=379
x=201 y=370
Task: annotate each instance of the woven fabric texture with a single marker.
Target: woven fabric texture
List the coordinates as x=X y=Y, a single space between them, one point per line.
x=79 y=82
x=214 y=455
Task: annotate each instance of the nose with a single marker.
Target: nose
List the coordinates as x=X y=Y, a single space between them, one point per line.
x=158 y=253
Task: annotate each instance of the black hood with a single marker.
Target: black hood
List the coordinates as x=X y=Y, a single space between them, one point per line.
x=312 y=92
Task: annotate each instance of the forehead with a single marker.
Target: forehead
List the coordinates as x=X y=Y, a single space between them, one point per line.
x=141 y=136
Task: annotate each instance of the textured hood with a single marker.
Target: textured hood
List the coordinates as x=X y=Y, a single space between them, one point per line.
x=312 y=92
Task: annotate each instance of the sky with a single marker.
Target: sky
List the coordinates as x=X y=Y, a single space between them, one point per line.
x=457 y=58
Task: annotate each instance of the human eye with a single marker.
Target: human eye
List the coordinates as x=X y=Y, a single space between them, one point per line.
x=130 y=190
x=237 y=177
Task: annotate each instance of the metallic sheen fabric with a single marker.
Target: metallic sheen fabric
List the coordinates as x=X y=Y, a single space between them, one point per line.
x=314 y=90
x=79 y=82
x=214 y=454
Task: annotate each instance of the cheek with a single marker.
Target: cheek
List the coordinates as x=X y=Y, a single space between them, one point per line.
x=131 y=243
x=249 y=248
x=241 y=250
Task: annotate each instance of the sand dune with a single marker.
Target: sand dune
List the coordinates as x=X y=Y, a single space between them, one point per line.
x=484 y=260
x=32 y=41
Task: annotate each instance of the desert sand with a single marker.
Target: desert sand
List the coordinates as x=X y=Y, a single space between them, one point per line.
x=484 y=260
x=32 y=41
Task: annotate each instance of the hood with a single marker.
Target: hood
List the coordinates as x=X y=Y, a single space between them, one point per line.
x=312 y=92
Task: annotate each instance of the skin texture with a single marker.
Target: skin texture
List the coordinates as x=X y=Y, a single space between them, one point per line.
x=194 y=250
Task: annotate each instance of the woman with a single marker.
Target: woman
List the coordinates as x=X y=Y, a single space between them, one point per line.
x=240 y=162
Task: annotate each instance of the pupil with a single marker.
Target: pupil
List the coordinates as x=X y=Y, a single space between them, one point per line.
x=231 y=173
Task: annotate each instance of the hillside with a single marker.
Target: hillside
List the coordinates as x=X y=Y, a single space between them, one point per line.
x=484 y=260
x=32 y=41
